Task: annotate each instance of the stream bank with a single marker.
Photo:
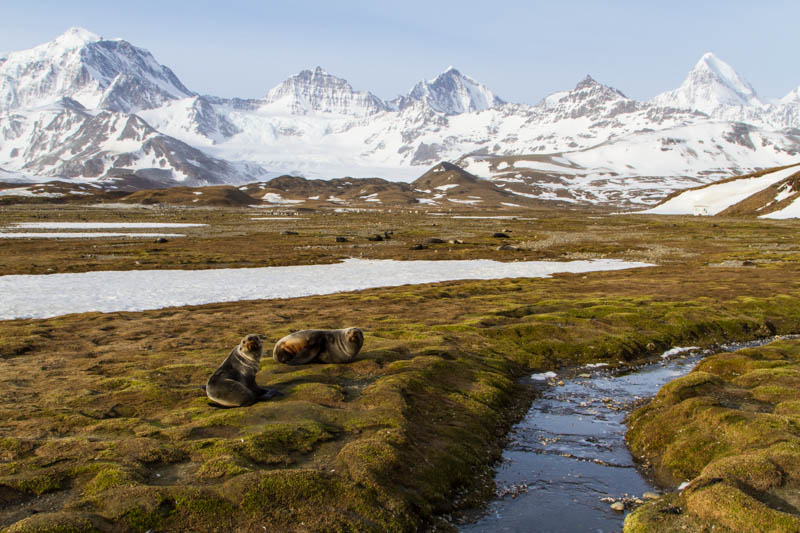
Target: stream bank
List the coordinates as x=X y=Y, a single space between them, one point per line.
x=567 y=461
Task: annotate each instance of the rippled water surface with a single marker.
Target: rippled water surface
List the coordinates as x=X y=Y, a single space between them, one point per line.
x=569 y=452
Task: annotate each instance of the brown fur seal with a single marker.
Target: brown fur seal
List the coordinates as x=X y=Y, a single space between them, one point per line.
x=233 y=384
x=319 y=345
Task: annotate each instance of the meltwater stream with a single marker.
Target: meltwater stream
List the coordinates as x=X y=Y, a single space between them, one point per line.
x=567 y=458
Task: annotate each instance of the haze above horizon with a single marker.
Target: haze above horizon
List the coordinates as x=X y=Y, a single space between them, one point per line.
x=522 y=51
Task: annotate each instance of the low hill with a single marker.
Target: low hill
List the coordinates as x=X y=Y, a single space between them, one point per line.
x=769 y=193
x=216 y=196
x=448 y=185
x=352 y=192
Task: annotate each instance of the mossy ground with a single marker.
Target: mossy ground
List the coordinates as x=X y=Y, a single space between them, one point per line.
x=102 y=412
x=732 y=429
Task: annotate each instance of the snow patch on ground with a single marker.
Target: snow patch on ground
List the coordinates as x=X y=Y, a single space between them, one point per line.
x=138 y=290
x=30 y=193
x=275 y=198
x=790 y=211
x=103 y=225
x=678 y=350
x=92 y=235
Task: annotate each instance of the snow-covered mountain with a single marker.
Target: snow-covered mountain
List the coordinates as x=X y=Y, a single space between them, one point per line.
x=85 y=107
x=97 y=73
x=451 y=93
x=716 y=89
x=711 y=86
x=311 y=91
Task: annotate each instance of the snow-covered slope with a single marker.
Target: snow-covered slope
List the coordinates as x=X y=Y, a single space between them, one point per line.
x=716 y=198
x=97 y=73
x=65 y=140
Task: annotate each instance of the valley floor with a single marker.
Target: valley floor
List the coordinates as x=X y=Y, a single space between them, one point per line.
x=105 y=428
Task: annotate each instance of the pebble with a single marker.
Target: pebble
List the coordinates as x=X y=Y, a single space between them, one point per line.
x=561 y=383
x=651 y=496
x=618 y=506
x=584 y=375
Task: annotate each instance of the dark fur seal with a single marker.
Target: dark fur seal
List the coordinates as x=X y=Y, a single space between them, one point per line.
x=319 y=345
x=233 y=384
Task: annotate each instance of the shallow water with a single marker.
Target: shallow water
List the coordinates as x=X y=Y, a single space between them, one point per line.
x=569 y=452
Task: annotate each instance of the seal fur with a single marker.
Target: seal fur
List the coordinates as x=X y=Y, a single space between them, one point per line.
x=319 y=345
x=233 y=384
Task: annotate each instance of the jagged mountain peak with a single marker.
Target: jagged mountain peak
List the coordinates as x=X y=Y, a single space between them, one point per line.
x=97 y=73
x=792 y=98
x=586 y=82
x=452 y=93
x=589 y=98
x=711 y=86
x=319 y=91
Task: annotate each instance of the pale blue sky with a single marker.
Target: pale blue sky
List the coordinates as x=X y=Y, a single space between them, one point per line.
x=523 y=50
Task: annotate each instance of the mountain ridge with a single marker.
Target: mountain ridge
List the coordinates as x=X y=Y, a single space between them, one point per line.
x=316 y=124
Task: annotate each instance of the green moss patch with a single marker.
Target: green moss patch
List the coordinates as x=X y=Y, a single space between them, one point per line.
x=105 y=410
x=731 y=428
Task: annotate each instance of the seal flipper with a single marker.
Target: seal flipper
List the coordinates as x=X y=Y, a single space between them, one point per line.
x=268 y=394
x=218 y=405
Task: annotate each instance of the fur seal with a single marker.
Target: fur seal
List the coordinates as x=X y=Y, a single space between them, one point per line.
x=319 y=345
x=233 y=384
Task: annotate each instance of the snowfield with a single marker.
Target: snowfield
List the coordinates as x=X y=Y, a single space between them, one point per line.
x=102 y=225
x=78 y=235
x=139 y=290
x=716 y=198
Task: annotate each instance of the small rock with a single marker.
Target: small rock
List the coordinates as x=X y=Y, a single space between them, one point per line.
x=651 y=347
x=651 y=496
x=341 y=239
x=561 y=383
x=618 y=506
x=289 y=232
x=584 y=375
x=499 y=235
